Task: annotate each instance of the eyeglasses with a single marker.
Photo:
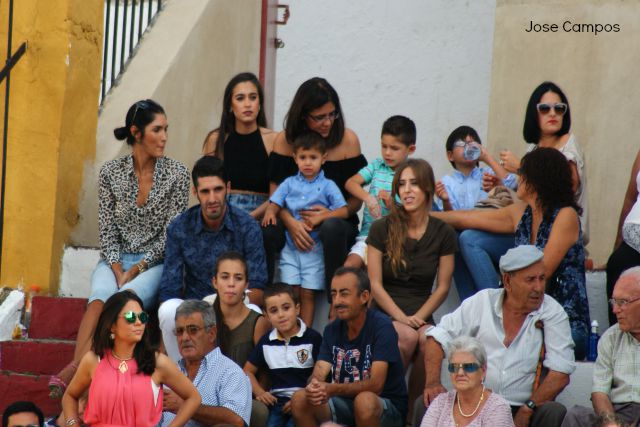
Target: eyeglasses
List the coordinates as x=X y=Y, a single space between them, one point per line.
x=622 y=303
x=190 y=329
x=560 y=108
x=460 y=143
x=28 y=425
x=140 y=105
x=131 y=317
x=468 y=368
x=322 y=117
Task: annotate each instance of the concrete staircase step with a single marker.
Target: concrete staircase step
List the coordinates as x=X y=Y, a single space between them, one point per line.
x=27 y=387
x=56 y=318
x=37 y=357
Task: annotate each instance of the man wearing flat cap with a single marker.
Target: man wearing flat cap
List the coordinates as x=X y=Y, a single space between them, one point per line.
x=523 y=331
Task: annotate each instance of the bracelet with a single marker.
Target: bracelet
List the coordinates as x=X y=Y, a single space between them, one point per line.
x=71 y=422
x=141 y=267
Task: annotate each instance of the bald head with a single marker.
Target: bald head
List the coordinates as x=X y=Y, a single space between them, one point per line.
x=626 y=301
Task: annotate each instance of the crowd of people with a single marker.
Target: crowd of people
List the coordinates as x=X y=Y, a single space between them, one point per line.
x=233 y=281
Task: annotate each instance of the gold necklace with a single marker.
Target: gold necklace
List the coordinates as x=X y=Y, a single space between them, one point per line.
x=477 y=406
x=122 y=367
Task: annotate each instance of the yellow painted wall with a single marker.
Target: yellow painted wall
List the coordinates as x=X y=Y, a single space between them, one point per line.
x=598 y=74
x=52 y=128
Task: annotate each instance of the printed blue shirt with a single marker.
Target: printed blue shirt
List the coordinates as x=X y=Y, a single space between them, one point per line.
x=191 y=252
x=465 y=191
x=351 y=361
x=378 y=176
x=221 y=383
x=289 y=363
x=297 y=193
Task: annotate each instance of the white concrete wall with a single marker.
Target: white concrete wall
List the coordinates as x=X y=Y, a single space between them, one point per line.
x=428 y=60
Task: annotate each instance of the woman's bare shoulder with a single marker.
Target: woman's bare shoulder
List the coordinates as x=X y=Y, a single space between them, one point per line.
x=281 y=145
x=210 y=143
x=351 y=143
x=268 y=138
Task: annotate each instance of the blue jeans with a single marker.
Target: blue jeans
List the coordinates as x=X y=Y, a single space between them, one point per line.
x=146 y=285
x=246 y=202
x=277 y=418
x=342 y=412
x=476 y=263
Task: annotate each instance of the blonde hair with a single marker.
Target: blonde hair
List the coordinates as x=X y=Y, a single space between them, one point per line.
x=398 y=218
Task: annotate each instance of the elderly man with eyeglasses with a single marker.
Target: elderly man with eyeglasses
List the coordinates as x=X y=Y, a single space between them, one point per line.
x=224 y=387
x=616 y=373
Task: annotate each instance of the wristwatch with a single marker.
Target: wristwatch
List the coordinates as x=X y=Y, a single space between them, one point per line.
x=531 y=404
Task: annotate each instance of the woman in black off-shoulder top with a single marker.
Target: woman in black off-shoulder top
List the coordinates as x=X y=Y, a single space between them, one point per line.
x=316 y=107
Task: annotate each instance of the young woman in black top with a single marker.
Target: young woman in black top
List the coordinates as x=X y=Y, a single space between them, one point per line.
x=244 y=143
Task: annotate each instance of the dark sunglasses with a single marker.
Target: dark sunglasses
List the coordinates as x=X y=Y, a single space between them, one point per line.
x=560 y=108
x=130 y=317
x=468 y=368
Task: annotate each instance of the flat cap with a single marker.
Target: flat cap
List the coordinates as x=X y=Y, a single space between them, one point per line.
x=520 y=257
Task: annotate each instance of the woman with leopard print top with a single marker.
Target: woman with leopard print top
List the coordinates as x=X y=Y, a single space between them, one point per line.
x=139 y=194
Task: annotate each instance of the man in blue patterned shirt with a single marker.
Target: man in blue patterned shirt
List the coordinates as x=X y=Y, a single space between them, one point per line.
x=224 y=387
x=197 y=237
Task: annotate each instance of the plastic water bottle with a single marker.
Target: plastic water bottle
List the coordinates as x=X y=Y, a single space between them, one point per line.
x=592 y=354
x=471 y=151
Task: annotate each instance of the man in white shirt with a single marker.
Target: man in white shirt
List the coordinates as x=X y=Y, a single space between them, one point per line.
x=513 y=323
x=616 y=373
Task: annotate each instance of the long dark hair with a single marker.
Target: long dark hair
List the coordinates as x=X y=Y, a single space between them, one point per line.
x=312 y=94
x=398 y=219
x=223 y=329
x=547 y=172
x=531 y=128
x=139 y=115
x=143 y=352
x=228 y=119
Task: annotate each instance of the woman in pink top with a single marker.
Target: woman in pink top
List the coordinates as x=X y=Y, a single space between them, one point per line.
x=470 y=404
x=124 y=373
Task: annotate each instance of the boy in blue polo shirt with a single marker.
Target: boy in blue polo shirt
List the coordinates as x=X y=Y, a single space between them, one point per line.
x=287 y=353
x=307 y=191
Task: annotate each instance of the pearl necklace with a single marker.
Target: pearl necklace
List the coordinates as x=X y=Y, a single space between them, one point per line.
x=122 y=367
x=475 y=410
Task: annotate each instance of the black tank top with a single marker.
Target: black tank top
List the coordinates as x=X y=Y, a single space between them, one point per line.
x=246 y=162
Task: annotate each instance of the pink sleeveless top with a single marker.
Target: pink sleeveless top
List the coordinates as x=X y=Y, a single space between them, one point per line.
x=122 y=399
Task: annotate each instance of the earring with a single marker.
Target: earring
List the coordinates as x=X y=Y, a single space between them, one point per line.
x=112 y=336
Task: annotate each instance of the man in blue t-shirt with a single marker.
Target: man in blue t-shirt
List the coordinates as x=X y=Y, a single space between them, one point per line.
x=360 y=353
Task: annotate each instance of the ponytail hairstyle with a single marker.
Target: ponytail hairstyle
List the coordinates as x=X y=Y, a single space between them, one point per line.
x=223 y=329
x=398 y=218
x=228 y=119
x=139 y=115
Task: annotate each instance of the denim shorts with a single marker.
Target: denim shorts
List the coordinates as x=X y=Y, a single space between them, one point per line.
x=146 y=285
x=246 y=202
x=302 y=268
x=342 y=412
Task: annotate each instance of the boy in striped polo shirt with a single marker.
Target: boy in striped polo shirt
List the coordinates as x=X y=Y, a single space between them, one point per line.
x=287 y=354
x=398 y=141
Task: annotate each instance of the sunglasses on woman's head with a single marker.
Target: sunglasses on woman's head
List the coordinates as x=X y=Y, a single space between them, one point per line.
x=560 y=108
x=469 y=368
x=131 y=317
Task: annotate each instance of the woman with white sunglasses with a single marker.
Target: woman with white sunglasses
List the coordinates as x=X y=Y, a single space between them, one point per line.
x=470 y=403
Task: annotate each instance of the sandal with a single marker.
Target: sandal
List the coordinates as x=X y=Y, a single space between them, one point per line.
x=58 y=383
